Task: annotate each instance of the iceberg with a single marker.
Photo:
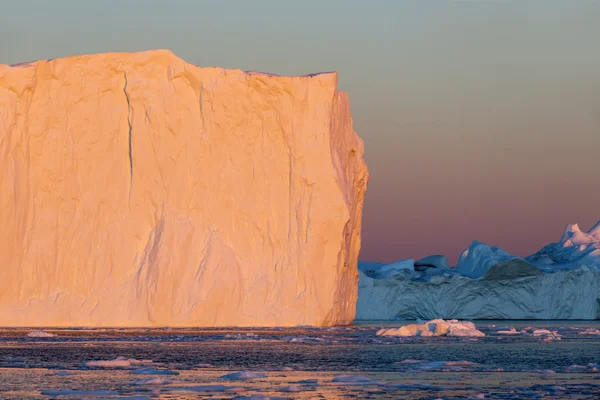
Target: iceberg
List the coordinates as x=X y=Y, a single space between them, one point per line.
x=561 y=281
x=574 y=248
x=140 y=190
x=382 y=271
x=478 y=258
x=435 y=261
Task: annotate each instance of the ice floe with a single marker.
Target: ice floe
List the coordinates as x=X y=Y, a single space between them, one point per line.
x=292 y=388
x=71 y=392
x=119 y=362
x=40 y=334
x=260 y=397
x=152 y=381
x=546 y=334
x=209 y=388
x=243 y=376
x=153 y=371
x=353 y=380
x=436 y=327
x=511 y=331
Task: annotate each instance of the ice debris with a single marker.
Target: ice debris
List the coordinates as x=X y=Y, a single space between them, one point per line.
x=436 y=327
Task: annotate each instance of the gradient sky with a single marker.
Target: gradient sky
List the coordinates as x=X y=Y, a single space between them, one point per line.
x=481 y=119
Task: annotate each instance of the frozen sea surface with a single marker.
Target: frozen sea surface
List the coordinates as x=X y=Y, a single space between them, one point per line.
x=302 y=363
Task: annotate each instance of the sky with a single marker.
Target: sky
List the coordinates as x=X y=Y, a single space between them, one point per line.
x=481 y=119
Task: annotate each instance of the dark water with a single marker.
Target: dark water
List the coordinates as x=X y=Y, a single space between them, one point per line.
x=495 y=366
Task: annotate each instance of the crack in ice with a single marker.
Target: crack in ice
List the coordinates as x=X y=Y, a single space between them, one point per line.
x=129 y=134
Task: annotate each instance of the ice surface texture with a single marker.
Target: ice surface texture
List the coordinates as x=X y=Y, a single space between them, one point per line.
x=140 y=190
x=561 y=281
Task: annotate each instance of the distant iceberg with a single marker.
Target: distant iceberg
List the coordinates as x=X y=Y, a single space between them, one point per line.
x=561 y=281
x=574 y=249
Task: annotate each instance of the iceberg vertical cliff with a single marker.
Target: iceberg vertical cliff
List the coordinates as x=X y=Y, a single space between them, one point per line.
x=140 y=190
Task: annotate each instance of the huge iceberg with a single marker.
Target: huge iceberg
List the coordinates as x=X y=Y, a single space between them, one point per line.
x=140 y=190
x=561 y=281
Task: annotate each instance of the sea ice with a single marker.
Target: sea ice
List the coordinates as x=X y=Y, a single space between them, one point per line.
x=70 y=392
x=590 y=331
x=292 y=388
x=119 y=362
x=511 y=331
x=209 y=388
x=153 y=371
x=243 y=376
x=260 y=397
x=353 y=380
x=138 y=397
x=152 y=381
x=546 y=334
x=40 y=334
x=436 y=327
x=459 y=364
x=308 y=382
